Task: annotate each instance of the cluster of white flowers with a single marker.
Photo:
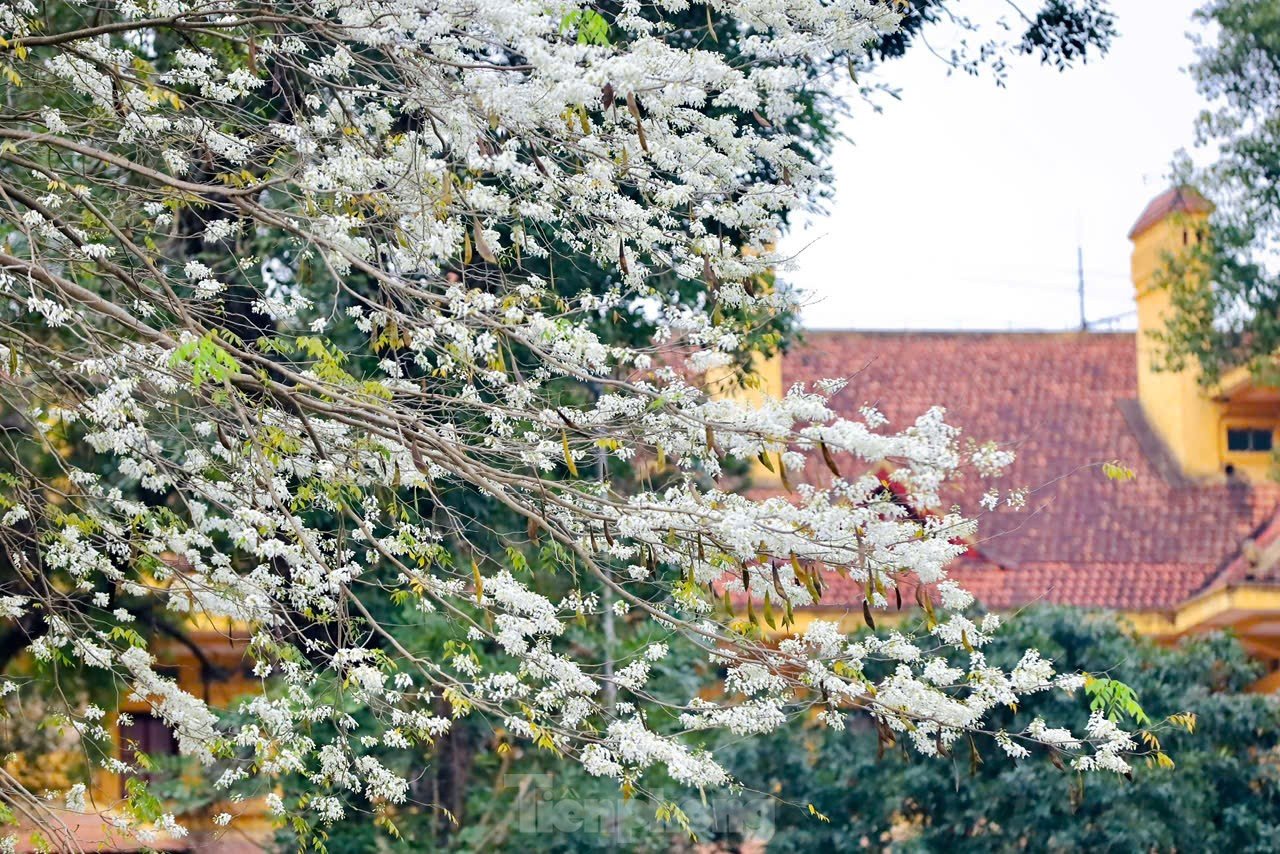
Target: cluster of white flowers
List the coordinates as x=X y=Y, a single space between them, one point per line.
x=398 y=171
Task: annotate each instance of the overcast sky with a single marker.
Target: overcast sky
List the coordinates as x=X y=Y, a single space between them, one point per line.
x=961 y=206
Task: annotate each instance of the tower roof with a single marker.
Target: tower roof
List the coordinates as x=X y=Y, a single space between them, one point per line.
x=1171 y=201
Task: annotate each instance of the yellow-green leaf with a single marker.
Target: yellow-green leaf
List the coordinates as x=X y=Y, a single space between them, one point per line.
x=1116 y=470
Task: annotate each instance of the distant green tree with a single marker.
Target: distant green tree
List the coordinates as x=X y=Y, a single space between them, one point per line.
x=1223 y=795
x=1235 y=320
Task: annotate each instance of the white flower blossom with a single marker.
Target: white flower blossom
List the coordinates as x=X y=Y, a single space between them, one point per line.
x=309 y=350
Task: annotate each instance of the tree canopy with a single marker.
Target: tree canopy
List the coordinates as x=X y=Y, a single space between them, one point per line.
x=1226 y=291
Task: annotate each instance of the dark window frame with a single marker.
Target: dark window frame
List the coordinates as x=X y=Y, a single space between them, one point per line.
x=147 y=734
x=1250 y=440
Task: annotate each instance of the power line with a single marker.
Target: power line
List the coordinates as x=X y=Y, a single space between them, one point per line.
x=1112 y=319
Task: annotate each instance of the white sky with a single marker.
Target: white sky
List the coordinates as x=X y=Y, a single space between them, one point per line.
x=961 y=205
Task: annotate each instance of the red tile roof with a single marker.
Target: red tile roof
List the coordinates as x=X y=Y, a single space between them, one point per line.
x=1258 y=559
x=1173 y=200
x=1065 y=402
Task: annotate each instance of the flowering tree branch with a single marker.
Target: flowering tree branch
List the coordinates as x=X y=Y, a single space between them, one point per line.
x=288 y=271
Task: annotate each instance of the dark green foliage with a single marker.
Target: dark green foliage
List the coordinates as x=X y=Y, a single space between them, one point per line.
x=1064 y=32
x=1060 y=33
x=1224 y=794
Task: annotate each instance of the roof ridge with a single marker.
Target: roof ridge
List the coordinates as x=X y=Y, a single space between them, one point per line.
x=1224 y=570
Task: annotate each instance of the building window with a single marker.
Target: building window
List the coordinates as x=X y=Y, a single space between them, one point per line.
x=1248 y=439
x=147 y=734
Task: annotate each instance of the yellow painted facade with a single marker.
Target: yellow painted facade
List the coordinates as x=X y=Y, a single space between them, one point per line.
x=1195 y=423
x=223 y=650
x=223 y=647
x=219 y=675
x=1185 y=418
x=764 y=380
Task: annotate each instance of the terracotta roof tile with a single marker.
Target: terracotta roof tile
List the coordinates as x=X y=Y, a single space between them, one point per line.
x=1258 y=560
x=1063 y=401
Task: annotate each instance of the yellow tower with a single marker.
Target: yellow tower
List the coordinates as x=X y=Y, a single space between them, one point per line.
x=1174 y=402
x=1228 y=428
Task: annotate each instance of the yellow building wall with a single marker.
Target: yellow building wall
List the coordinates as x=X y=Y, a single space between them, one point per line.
x=1189 y=417
x=1175 y=404
x=766 y=383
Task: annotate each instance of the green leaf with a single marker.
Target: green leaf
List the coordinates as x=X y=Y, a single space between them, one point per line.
x=1115 y=470
x=591 y=27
